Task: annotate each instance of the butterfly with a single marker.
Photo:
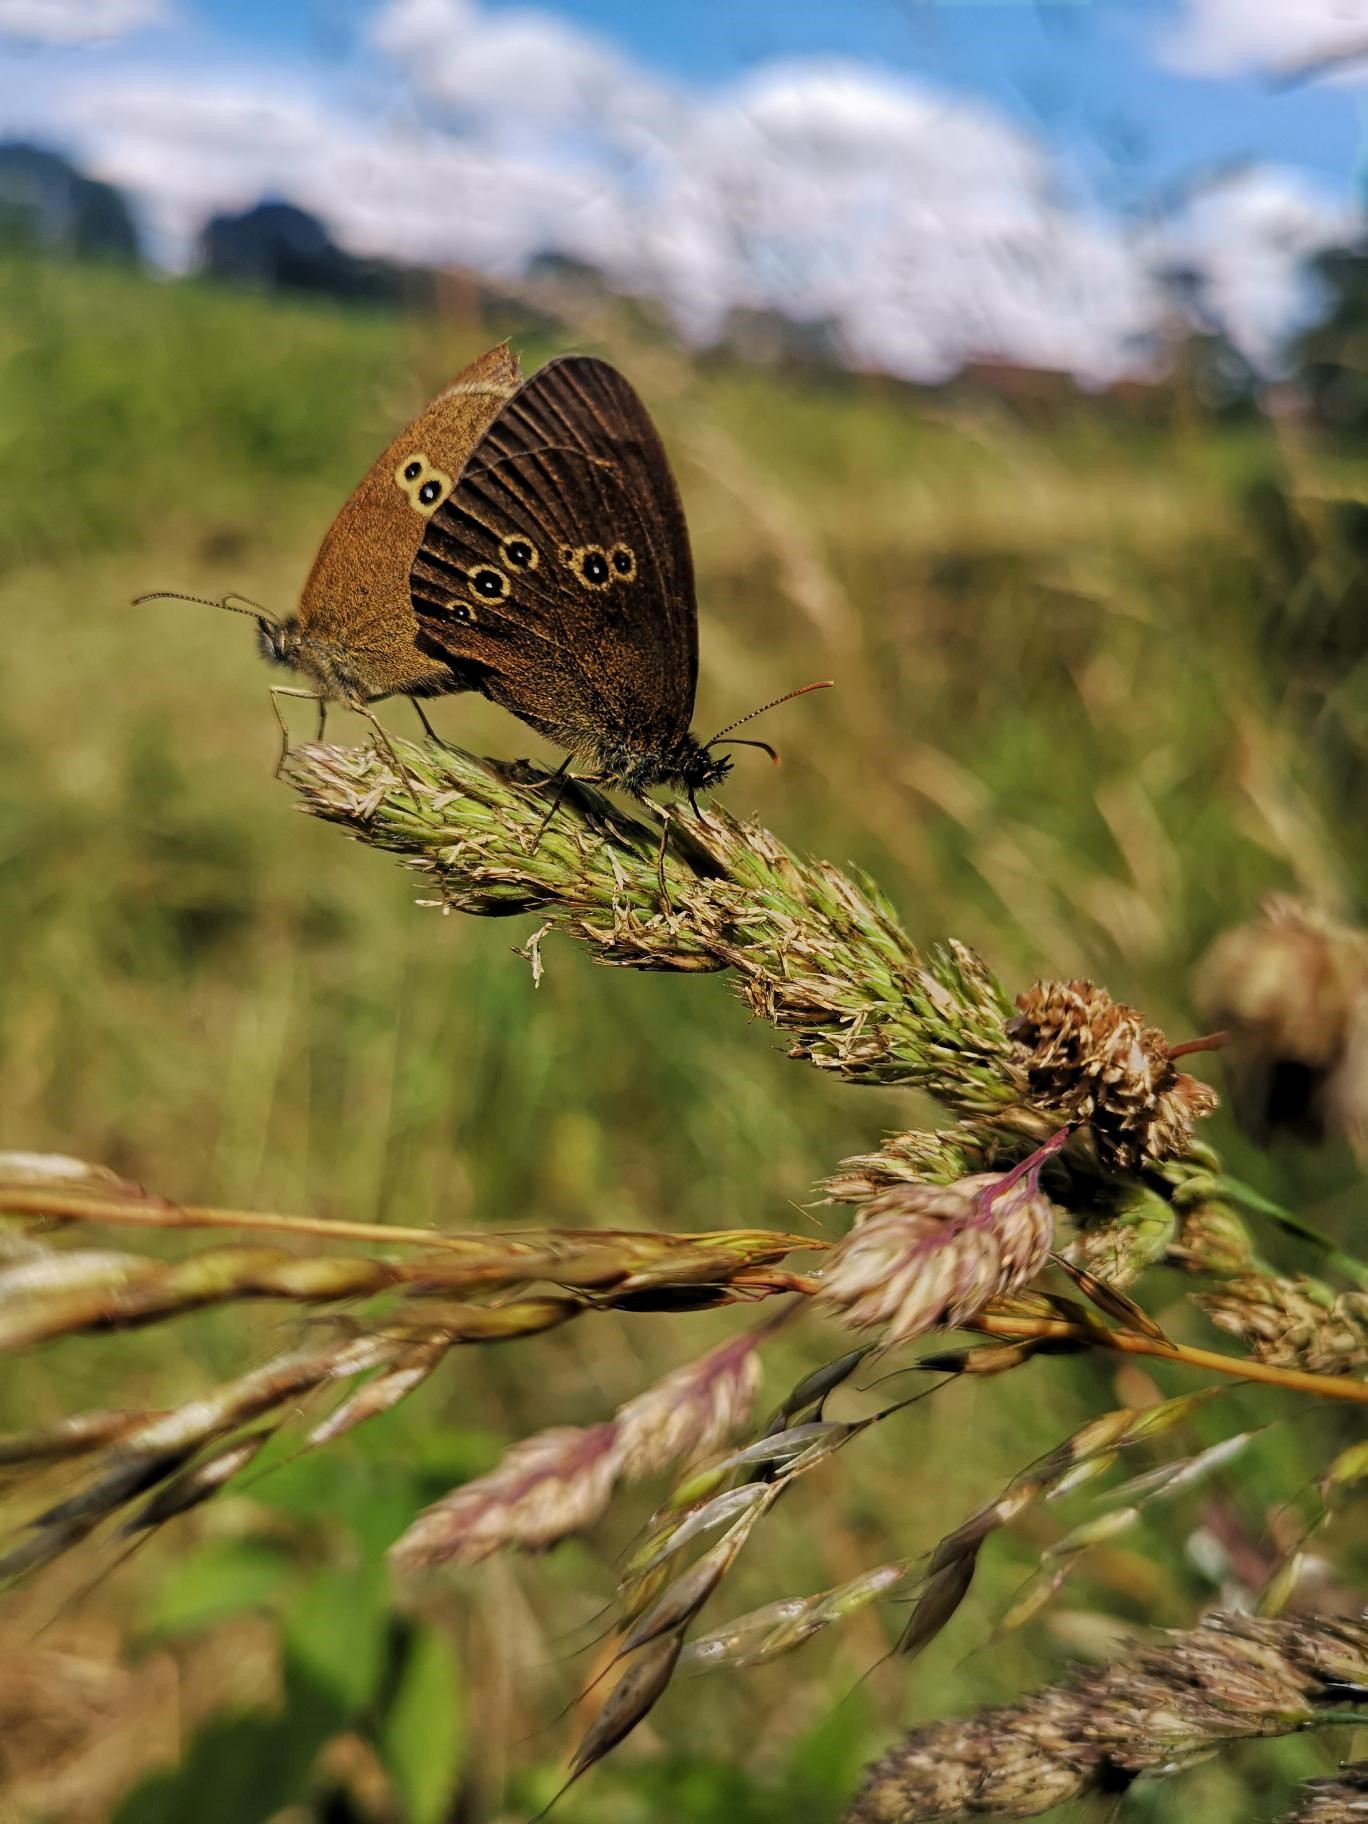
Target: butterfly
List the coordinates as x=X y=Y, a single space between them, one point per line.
x=524 y=539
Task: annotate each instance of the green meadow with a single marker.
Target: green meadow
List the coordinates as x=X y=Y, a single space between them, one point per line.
x=1094 y=699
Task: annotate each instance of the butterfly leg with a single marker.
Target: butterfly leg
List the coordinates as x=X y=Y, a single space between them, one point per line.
x=392 y=756
x=700 y=813
x=309 y=696
x=429 y=730
x=559 y=779
x=665 y=905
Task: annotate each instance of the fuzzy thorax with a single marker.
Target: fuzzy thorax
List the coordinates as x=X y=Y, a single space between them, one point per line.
x=286 y=643
x=686 y=764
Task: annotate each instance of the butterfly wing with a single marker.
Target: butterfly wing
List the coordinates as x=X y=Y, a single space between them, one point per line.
x=560 y=566
x=355 y=605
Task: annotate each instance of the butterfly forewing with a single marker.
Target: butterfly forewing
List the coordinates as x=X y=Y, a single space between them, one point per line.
x=560 y=565
x=355 y=606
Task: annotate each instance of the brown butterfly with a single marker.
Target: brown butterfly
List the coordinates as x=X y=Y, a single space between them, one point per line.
x=526 y=541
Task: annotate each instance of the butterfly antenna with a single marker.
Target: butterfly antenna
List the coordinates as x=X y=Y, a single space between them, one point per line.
x=764 y=709
x=746 y=741
x=233 y=602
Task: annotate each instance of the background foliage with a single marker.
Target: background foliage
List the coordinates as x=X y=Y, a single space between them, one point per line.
x=1101 y=684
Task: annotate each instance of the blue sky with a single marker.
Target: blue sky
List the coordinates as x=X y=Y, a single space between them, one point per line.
x=1077 y=71
x=935 y=181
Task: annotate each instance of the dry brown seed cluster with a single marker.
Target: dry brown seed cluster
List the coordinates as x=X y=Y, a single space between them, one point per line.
x=1162 y=1705
x=1095 y=1060
x=1340 y=1799
x=1292 y=1323
x=1292 y=989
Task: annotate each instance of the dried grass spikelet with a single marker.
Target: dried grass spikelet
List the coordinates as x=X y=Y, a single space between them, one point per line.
x=926 y=1254
x=560 y=1481
x=1095 y=1060
x=1340 y=1798
x=1291 y=989
x=1292 y=1323
x=541 y=1489
x=692 y=1410
x=1162 y=1705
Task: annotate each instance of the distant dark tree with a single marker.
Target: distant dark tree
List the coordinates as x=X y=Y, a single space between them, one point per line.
x=1312 y=569
x=557 y=288
x=771 y=338
x=1203 y=359
x=47 y=204
x=1332 y=355
x=280 y=247
x=551 y=266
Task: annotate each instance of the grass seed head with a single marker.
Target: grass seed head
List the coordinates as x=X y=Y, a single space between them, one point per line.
x=1094 y=1059
x=1292 y=1323
x=1160 y=1706
x=926 y=1255
x=1291 y=989
x=691 y=1411
x=1340 y=1799
x=540 y=1491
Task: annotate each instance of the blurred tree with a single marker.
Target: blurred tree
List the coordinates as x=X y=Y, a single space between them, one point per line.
x=1311 y=580
x=1205 y=363
x=277 y=246
x=1332 y=356
x=770 y=338
x=47 y=203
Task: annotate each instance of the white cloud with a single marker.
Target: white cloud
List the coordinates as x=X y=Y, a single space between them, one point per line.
x=1250 y=237
x=923 y=226
x=519 y=69
x=381 y=188
x=1227 y=37
x=76 y=22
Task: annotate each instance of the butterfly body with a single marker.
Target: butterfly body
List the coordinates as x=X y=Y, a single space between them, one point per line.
x=349 y=672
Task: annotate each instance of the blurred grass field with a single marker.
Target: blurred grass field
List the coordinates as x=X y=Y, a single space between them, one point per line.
x=1087 y=713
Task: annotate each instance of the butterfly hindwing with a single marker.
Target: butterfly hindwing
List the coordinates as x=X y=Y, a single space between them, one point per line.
x=559 y=565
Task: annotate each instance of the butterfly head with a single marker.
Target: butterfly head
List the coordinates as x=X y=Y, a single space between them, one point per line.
x=279 y=641
x=329 y=664
x=703 y=769
x=689 y=764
